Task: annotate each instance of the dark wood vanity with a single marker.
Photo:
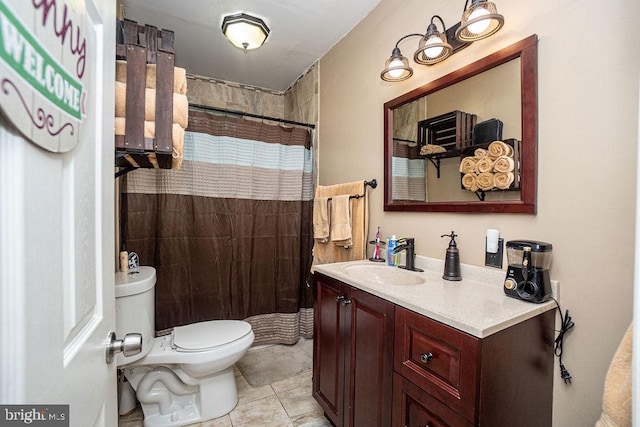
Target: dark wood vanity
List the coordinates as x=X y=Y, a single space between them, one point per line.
x=379 y=364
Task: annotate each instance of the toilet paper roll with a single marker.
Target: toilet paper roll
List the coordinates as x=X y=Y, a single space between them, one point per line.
x=493 y=236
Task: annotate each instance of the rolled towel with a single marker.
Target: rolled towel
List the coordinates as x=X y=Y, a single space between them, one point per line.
x=180 y=105
x=499 y=148
x=486 y=181
x=504 y=164
x=470 y=182
x=485 y=164
x=468 y=165
x=120 y=123
x=431 y=149
x=179 y=76
x=480 y=153
x=503 y=180
x=177 y=138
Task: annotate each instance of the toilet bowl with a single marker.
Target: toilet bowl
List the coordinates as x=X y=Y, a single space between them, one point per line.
x=186 y=376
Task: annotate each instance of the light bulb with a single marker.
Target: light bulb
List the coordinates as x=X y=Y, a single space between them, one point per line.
x=433 y=52
x=398 y=71
x=480 y=26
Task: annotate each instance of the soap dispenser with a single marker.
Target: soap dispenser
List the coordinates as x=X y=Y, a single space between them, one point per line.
x=452 y=259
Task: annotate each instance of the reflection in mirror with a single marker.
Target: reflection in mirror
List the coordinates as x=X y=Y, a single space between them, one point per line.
x=428 y=134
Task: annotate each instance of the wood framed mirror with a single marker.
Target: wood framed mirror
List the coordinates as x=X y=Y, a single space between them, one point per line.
x=502 y=85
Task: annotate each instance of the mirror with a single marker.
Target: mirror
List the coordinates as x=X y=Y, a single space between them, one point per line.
x=500 y=86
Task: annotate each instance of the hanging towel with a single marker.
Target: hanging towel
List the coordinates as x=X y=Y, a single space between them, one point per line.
x=324 y=253
x=616 y=399
x=341 y=220
x=321 y=219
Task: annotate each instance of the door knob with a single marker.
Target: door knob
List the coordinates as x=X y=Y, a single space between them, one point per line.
x=130 y=345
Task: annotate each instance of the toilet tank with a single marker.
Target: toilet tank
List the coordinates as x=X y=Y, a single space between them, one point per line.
x=135 y=309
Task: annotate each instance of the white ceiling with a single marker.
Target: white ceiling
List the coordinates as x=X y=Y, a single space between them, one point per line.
x=302 y=31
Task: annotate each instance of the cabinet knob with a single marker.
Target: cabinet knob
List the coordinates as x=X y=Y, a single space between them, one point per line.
x=346 y=301
x=339 y=298
x=426 y=357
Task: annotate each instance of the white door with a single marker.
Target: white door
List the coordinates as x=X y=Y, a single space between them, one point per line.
x=57 y=236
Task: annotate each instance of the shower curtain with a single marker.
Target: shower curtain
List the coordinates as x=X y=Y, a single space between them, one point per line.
x=230 y=233
x=408 y=172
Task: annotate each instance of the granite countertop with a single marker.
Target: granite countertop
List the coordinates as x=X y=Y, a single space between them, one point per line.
x=476 y=305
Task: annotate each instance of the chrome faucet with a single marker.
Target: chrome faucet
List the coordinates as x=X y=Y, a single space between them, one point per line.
x=408 y=244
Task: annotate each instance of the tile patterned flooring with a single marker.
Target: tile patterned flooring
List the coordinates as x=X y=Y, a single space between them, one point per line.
x=286 y=403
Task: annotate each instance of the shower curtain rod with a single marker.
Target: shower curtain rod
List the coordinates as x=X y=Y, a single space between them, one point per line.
x=255 y=116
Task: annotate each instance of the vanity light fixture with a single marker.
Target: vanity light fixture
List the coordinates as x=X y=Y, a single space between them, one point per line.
x=433 y=47
x=396 y=68
x=245 y=31
x=480 y=20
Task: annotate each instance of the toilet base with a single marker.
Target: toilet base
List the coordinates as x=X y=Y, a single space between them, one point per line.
x=214 y=397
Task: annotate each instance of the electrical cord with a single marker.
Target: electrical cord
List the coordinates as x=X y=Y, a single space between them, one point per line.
x=565 y=325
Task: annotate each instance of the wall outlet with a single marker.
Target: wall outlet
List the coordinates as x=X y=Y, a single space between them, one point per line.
x=491 y=259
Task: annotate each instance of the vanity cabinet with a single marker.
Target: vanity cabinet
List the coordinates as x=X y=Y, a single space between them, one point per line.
x=352 y=354
x=376 y=363
x=445 y=377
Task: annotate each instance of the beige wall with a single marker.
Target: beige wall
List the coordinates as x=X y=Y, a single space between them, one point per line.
x=588 y=109
x=234 y=96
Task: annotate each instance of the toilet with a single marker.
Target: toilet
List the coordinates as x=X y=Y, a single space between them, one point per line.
x=186 y=376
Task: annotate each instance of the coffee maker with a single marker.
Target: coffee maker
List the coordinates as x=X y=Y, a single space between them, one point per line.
x=528 y=271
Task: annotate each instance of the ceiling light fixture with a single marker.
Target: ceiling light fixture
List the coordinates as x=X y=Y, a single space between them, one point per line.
x=245 y=31
x=480 y=20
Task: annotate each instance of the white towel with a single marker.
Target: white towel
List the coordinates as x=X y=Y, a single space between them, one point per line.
x=340 y=223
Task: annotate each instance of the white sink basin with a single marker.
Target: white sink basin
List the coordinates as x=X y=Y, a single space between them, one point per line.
x=384 y=274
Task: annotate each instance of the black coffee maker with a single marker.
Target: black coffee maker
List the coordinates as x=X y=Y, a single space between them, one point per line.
x=528 y=270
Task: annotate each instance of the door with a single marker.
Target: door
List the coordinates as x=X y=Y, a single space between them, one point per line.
x=368 y=359
x=57 y=252
x=328 y=366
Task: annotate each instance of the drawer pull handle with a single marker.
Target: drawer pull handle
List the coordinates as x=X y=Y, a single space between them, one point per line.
x=339 y=298
x=346 y=301
x=426 y=357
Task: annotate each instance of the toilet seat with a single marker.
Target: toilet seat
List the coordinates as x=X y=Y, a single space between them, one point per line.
x=207 y=335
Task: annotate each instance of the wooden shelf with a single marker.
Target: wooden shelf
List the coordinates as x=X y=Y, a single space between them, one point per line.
x=142 y=45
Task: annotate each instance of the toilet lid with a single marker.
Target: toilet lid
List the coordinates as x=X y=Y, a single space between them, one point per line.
x=204 y=335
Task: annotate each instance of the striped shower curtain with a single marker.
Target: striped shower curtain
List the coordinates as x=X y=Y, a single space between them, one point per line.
x=230 y=232
x=408 y=172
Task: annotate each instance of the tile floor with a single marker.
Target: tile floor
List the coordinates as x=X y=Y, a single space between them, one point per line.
x=286 y=403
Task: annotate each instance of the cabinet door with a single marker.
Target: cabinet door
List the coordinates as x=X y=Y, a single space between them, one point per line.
x=368 y=359
x=413 y=407
x=328 y=363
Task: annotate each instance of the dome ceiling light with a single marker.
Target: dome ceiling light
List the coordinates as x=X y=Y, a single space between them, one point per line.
x=245 y=31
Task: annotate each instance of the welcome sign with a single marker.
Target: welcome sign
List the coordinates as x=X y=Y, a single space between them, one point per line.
x=43 y=56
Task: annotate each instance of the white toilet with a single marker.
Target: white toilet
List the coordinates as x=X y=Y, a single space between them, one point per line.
x=185 y=377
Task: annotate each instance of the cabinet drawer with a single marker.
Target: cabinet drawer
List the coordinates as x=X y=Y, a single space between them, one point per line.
x=412 y=407
x=439 y=359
